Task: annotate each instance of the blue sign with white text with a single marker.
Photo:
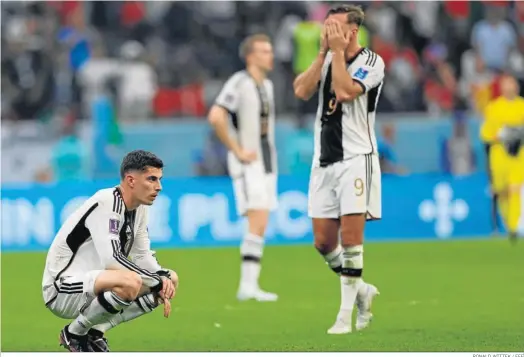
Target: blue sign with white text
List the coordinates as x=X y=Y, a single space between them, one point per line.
x=200 y=212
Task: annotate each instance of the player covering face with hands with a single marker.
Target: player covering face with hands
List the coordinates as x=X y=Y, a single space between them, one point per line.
x=345 y=186
x=100 y=270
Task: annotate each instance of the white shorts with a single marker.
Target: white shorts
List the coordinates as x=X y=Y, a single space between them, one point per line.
x=66 y=297
x=347 y=187
x=255 y=190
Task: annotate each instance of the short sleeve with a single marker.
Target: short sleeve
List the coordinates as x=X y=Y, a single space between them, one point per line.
x=369 y=73
x=228 y=97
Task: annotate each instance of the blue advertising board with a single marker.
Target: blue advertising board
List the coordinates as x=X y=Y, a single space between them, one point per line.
x=200 y=212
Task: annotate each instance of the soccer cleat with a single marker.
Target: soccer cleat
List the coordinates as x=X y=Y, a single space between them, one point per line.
x=341 y=326
x=97 y=342
x=257 y=294
x=73 y=343
x=364 y=301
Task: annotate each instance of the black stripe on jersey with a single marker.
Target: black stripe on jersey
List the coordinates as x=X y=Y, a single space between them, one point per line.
x=264 y=126
x=122 y=260
x=369 y=59
x=331 y=134
x=369 y=172
x=331 y=149
x=118 y=201
x=78 y=235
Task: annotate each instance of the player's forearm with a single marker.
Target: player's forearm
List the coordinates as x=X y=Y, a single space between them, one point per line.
x=117 y=261
x=346 y=89
x=306 y=83
x=146 y=261
x=218 y=119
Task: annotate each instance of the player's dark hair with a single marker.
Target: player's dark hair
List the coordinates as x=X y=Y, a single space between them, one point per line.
x=139 y=160
x=355 y=14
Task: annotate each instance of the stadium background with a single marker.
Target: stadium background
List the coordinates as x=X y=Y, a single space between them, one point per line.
x=85 y=82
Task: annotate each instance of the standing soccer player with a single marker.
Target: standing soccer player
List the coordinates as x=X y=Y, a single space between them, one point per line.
x=88 y=276
x=504 y=118
x=345 y=185
x=244 y=120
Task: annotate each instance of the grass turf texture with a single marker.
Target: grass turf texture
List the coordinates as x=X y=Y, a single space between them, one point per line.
x=435 y=296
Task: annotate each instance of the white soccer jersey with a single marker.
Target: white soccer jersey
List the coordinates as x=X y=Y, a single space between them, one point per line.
x=102 y=234
x=345 y=130
x=252 y=110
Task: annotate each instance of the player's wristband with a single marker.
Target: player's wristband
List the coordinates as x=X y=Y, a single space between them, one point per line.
x=165 y=273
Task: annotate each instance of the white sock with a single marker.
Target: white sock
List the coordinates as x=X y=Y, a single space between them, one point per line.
x=334 y=259
x=101 y=309
x=350 y=279
x=251 y=251
x=141 y=306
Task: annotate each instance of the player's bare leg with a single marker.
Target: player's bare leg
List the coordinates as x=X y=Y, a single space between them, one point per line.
x=326 y=233
x=145 y=303
x=251 y=251
x=353 y=289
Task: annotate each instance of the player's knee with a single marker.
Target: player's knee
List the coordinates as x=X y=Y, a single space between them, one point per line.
x=351 y=237
x=324 y=246
x=131 y=284
x=257 y=221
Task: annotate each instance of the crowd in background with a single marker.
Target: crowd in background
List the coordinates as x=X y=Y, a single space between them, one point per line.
x=167 y=60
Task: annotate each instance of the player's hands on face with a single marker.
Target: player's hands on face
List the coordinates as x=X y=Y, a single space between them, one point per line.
x=337 y=39
x=246 y=156
x=324 y=47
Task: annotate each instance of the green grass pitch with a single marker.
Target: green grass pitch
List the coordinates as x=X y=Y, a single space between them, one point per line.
x=435 y=296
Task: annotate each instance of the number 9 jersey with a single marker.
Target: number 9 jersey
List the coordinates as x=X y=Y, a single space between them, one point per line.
x=345 y=176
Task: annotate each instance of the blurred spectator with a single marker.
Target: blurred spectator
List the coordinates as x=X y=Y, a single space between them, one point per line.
x=138 y=83
x=440 y=87
x=28 y=71
x=212 y=159
x=386 y=152
x=299 y=150
x=75 y=37
x=493 y=38
x=306 y=41
x=458 y=157
x=477 y=82
x=69 y=160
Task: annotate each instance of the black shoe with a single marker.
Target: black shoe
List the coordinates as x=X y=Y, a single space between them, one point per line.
x=513 y=238
x=96 y=341
x=72 y=342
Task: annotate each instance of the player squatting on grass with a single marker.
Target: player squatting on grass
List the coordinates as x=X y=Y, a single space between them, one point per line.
x=345 y=184
x=100 y=270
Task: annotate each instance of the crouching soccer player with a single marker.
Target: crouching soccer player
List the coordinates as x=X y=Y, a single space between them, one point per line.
x=100 y=270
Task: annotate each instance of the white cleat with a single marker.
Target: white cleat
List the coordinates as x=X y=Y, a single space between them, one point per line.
x=364 y=301
x=340 y=327
x=258 y=295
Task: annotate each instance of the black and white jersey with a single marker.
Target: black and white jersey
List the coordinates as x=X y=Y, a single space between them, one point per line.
x=252 y=110
x=343 y=130
x=102 y=234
